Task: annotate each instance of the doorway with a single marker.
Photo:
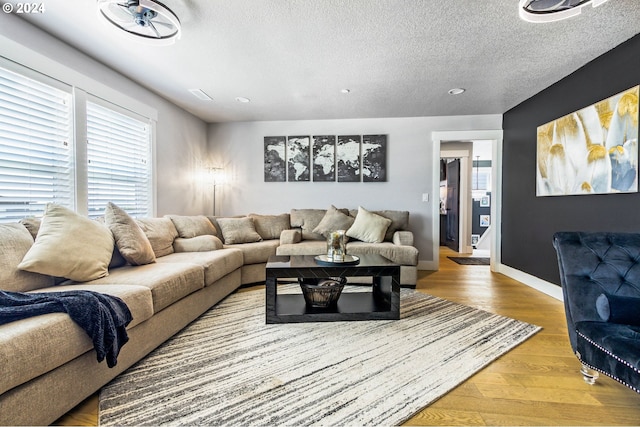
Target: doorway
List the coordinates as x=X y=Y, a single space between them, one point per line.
x=493 y=138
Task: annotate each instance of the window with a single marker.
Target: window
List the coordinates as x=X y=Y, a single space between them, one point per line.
x=36 y=152
x=118 y=154
x=51 y=151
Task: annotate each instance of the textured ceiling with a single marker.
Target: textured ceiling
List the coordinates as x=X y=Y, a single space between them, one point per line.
x=398 y=57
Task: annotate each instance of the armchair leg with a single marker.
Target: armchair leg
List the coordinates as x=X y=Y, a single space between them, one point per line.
x=589 y=375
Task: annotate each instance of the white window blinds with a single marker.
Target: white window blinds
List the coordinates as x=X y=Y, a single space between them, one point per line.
x=36 y=153
x=119 y=167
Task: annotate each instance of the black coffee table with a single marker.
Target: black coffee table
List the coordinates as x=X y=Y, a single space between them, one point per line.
x=382 y=302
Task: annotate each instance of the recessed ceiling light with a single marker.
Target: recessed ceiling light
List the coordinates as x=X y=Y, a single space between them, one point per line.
x=456 y=91
x=242 y=99
x=199 y=93
x=553 y=10
x=345 y=91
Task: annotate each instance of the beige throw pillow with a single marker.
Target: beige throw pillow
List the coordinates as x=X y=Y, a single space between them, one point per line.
x=15 y=242
x=161 y=233
x=192 y=226
x=130 y=239
x=334 y=220
x=69 y=245
x=238 y=230
x=270 y=226
x=369 y=227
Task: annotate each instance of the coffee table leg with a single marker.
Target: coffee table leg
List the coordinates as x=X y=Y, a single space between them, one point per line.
x=271 y=299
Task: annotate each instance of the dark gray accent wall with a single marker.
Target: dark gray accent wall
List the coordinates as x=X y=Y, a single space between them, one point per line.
x=529 y=222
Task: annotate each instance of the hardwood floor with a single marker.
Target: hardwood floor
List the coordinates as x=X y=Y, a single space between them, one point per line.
x=537 y=383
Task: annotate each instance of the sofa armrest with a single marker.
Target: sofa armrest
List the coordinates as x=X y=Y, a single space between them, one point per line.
x=288 y=237
x=197 y=244
x=403 y=238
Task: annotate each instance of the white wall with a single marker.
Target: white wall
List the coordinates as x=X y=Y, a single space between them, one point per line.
x=181 y=140
x=238 y=147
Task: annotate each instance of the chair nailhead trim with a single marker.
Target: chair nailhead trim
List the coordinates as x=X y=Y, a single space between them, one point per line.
x=624 y=362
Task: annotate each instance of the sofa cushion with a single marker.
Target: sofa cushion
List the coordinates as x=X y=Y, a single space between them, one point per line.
x=168 y=282
x=257 y=252
x=131 y=241
x=216 y=264
x=403 y=255
x=306 y=247
x=69 y=245
x=161 y=233
x=192 y=226
x=39 y=344
x=369 y=227
x=197 y=244
x=271 y=226
x=15 y=242
x=307 y=220
x=399 y=221
x=238 y=230
x=32 y=224
x=334 y=220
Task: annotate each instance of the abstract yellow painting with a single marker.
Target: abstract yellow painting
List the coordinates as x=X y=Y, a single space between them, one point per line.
x=591 y=151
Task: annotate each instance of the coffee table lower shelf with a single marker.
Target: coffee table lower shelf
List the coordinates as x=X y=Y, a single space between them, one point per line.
x=292 y=308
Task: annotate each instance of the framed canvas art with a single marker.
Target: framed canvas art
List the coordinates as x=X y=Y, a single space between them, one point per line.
x=348 y=158
x=274 y=159
x=298 y=158
x=590 y=151
x=324 y=158
x=374 y=158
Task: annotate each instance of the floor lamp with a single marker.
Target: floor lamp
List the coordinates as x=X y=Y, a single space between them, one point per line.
x=216 y=179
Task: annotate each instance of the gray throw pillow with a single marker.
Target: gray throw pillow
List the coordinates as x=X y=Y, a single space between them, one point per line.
x=131 y=241
x=334 y=220
x=270 y=226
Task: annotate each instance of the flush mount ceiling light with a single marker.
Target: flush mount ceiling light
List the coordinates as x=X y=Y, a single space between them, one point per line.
x=553 y=10
x=242 y=99
x=456 y=91
x=146 y=20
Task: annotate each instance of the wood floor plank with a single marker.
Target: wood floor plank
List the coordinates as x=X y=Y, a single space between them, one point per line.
x=537 y=383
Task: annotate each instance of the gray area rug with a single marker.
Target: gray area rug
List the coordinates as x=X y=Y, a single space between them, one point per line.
x=229 y=368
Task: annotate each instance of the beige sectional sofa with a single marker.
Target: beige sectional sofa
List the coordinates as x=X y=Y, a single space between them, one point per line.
x=48 y=361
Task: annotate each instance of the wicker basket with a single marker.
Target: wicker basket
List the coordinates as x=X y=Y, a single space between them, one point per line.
x=322 y=293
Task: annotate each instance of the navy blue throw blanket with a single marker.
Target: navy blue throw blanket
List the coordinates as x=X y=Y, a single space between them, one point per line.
x=103 y=317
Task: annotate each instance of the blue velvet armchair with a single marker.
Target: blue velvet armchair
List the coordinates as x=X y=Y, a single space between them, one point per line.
x=600 y=278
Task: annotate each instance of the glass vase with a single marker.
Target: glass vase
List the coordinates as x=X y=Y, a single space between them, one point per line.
x=336 y=247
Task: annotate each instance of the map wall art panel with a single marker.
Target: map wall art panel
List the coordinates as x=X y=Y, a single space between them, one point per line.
x=275 y=169
x=591 y=151
x=324 y=158
x=298 y=158
x=348 y=158
x=374 y=158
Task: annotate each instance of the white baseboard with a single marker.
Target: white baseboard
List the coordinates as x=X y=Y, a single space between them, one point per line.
x=536 y=283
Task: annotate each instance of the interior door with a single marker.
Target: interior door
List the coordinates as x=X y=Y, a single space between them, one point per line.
x=453 y=205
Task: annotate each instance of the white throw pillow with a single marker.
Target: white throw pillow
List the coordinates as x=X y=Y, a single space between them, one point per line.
x=69 y=245
x=369 y=227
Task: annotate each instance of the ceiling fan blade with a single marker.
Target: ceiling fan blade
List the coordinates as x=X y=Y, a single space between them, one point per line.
x=155 y=30
x=120 y=13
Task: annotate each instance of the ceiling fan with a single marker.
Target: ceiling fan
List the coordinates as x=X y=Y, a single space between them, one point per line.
x=553 y=10
x=148 y=20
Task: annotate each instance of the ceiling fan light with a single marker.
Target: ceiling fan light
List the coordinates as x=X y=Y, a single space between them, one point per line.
x=553 y=10
x=148 y=21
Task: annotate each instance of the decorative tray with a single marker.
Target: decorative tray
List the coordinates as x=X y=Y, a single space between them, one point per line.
x=348 y=260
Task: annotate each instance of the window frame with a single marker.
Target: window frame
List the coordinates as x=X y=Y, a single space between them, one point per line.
x=79 y=98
